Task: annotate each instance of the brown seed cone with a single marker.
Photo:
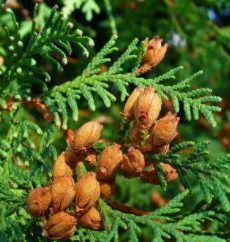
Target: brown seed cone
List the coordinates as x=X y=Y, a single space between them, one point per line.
x=133 y=162
x=38 y=201
x=164 y=130
x=62 y=192
x=60 y=226
x=154 y=53
x=88 y=134
x=91 y=159
x=145 y=67
x=147 y=108
x=87 y=193
x=91 y=219
x=150 y=175
x=157 y=199
x=60 y=168
x=127 y=113
x=107 y=189
x=109 y=162
x=170 y=174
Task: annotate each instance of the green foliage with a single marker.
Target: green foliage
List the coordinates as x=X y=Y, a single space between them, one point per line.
x=197 y=40
x=165 y=223
x=88 y=7
x=24 y=166
x=19 y=145
x=210 y=174
x=34 y=51
x=120 y=76
x=21 y=70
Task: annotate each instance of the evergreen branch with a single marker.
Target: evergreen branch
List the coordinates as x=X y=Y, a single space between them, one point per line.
x=195 y=102
x=182 y=228
x=88 y=7
x=112 y=21
x=27 y=52
x=101 y=58
x=18 y=150
x=54 y=38
x=210 y=174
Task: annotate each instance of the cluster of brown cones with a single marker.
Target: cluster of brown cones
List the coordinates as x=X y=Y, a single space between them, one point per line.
x=66 y=203
x=72 y=199
x=148 y=133
x=55 y=203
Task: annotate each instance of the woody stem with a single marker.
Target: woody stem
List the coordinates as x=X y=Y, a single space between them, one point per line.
x=125 y=209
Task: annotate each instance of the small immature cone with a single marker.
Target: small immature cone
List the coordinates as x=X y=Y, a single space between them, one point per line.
x=60 y=168
x=109 y=162
x=87 y=193
x=38 y=201
x=150 y=175
x=60 y=226
x=107 y=189
x=154 y=53
x=91 y=219
x=87 y=135
x=164 y=130
x=62 y=192
x=133 y=162
x=91 y=159
x=157 y=199
x=128 y=108
x=170 y=173
x=147 y=108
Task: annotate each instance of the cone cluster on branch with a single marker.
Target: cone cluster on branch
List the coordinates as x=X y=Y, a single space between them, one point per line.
x=148 y=135
x=72 y=199
x=66 y=203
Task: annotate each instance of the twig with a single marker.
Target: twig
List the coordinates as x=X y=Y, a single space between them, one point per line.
x=111 y=17
x=125 y=209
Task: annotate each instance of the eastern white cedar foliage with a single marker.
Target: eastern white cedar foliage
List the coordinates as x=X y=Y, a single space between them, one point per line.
x=27 y=151
x=89 y=7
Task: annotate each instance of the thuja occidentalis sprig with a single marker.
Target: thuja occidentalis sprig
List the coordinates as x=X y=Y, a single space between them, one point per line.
x=83 y=183
x=105 y=181
x=83 y=180
x=79 y=186
x=61 y=102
